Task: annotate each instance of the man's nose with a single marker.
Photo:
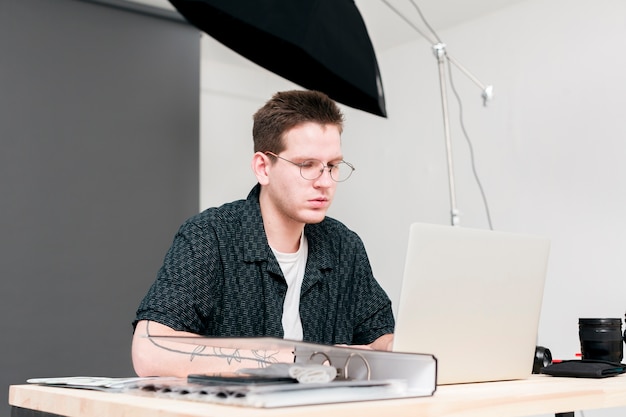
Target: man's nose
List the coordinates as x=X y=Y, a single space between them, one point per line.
x=325 y=179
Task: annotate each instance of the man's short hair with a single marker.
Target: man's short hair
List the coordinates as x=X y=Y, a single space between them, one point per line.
x=287 y=109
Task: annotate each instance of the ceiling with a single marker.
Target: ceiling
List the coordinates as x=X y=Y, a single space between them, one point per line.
x=387 y=29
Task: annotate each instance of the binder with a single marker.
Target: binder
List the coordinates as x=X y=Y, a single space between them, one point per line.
x=362 y=375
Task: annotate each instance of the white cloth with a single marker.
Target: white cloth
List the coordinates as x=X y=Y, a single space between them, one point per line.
x=304 y=373
x=313 y=373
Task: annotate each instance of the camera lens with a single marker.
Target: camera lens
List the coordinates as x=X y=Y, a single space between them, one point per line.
x=543 y=358
x=601 y=339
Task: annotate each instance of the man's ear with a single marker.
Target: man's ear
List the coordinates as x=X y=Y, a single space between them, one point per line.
x=261 y=166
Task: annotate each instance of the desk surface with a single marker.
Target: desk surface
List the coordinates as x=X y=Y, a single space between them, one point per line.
x=538 y=394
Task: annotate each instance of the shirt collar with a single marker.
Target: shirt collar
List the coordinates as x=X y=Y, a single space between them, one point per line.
x=256 y=248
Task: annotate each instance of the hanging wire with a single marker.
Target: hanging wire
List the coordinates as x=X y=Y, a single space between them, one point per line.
x=456 y=94
x=417 y=29
x=430 y=28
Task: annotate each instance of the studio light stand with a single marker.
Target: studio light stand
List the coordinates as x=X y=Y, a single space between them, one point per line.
x=442 y=56
x=439 y=49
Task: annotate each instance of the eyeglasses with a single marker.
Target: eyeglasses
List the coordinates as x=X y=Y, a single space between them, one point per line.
x=312 y=169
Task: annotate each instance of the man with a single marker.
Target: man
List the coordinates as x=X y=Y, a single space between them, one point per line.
x=270 y=265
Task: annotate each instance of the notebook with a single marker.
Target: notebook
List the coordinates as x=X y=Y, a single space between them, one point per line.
x=472 y=298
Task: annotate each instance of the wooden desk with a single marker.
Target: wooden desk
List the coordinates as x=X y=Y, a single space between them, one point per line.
x=539 y=394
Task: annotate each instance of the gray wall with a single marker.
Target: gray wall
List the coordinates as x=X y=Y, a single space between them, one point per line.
x=99 y=127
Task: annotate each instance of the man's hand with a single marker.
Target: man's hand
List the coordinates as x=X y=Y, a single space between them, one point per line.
x=384 y=342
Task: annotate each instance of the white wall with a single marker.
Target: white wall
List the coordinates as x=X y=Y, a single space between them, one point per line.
x=549 y=148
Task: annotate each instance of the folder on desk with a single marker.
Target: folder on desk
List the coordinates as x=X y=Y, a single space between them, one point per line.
x=363 y=374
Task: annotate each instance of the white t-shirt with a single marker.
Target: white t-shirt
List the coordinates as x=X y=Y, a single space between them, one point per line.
x=293 y=265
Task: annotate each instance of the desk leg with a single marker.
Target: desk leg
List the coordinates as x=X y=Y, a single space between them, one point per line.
x=568 y=414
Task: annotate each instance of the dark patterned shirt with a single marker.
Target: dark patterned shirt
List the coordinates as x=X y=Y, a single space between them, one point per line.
x=220 y=278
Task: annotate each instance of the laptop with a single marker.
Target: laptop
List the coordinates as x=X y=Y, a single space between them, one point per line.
x=472 y=298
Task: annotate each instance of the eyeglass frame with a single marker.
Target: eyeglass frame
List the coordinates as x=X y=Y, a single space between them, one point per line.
x=324 y=167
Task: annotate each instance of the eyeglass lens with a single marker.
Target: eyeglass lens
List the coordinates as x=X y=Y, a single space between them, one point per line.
x=312 y=170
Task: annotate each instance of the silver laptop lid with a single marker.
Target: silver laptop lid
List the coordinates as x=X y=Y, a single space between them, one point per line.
x=472 y=298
